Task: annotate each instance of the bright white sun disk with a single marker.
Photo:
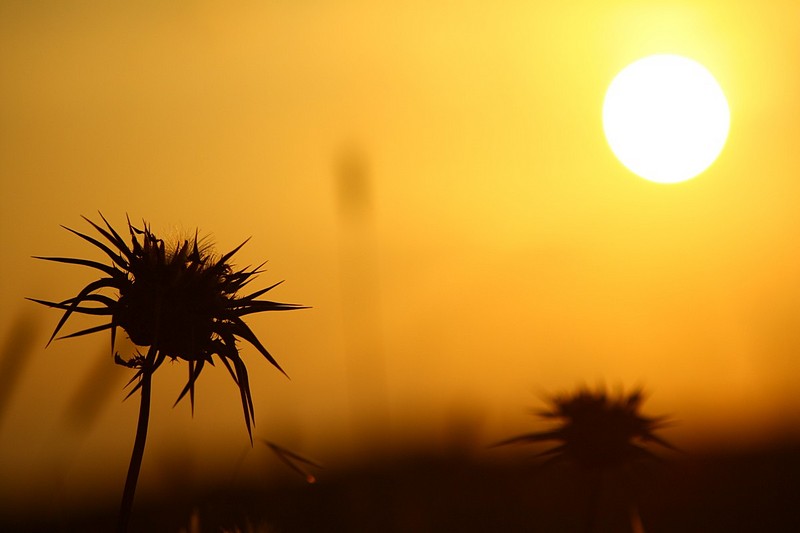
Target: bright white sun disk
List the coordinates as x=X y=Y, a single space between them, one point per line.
x=666 y=118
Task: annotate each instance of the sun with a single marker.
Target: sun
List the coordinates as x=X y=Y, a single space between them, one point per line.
x=666 y=118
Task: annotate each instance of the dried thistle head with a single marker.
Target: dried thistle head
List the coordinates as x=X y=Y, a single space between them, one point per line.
x=182 y=302
x=597 y=430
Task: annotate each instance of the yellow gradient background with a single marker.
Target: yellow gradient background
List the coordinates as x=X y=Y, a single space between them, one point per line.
x=498 y=252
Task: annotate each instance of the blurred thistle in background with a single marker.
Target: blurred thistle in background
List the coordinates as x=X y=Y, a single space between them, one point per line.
x=181 y=303
x=601 y=434
x=598 y=430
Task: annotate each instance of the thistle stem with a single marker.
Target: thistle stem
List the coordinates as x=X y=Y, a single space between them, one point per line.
x=138 y=444
x=593 y=501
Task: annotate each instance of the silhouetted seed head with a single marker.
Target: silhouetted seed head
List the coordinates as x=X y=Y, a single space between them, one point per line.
x=597 y=430
x=184 y=302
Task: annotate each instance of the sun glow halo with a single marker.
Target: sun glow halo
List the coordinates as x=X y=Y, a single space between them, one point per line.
x=665 y=118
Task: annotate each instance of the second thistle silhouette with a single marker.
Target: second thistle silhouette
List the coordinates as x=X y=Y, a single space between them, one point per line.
x=599 y=433
x=597 y=430
x=180 y=302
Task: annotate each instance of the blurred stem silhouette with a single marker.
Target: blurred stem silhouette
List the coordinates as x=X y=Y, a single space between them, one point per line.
x=360 y=289
x=138 y=445
x=14 y=357
x=593 y=501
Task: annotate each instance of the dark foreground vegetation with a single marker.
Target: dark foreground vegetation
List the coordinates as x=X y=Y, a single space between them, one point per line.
x=711 y=491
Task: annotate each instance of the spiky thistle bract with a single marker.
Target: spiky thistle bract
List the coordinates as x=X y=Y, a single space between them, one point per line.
x=181 y=302
x=597 y=429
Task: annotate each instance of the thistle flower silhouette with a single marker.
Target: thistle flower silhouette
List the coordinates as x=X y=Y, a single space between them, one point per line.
x=598 y=433
x=597 y=430
x=182 y=303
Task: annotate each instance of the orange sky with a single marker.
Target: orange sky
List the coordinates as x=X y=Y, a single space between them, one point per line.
x=505 y=252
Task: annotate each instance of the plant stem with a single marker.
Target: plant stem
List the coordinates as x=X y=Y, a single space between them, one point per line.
x=593 y=502
x=636 y=521
x=138 y=444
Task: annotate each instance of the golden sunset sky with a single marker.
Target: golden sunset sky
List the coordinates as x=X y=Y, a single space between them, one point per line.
x=497 y=252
